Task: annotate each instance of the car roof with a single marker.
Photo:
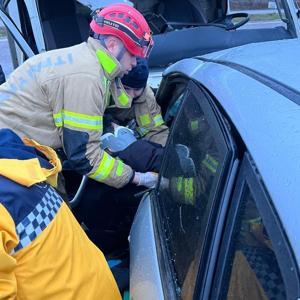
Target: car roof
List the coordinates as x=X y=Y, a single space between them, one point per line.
x=247 y=82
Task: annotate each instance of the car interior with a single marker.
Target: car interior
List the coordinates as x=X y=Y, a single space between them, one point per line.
x=62 y=27
x=203 y=25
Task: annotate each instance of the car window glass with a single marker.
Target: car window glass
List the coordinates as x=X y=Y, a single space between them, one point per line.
x=189 y=179
x=177 y=95
x=252 y=270
x=263 y=14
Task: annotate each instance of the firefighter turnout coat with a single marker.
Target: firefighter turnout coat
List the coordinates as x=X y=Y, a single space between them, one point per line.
x=59 y=97
x=147 y=113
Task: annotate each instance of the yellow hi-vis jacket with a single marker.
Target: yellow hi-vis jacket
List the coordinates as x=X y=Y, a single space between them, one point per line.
x=44 y=253
x=58 y=98
x=147 y=114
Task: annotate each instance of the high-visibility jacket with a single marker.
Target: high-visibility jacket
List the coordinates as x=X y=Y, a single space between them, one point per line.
x=147 y=114
x=44 y=253
x=59 y=97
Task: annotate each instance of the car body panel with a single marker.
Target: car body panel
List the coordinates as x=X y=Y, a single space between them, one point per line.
x=145 y=281
x=269 y=124
x=273 y=63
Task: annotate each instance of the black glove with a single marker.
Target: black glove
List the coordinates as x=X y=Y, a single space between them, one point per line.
x=143 y=156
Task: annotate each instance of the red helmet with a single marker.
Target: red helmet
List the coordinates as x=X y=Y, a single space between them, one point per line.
x=126 y=23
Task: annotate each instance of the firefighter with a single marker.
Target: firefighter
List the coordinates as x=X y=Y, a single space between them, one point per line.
x=145 y=111
x=44 y=253
x=59 y=97
x=141 y=147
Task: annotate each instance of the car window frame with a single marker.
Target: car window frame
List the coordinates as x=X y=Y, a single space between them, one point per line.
x=166 y=270
x=227 y=176
x=15 y=33
x=250 y=178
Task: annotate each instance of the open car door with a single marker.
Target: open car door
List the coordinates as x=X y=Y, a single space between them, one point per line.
x=23 y=49
x=14 y=33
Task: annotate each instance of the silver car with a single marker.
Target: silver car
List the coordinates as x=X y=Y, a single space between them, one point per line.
x=226 y=226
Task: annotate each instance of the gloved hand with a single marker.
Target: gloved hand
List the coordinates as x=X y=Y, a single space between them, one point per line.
x=148 y=179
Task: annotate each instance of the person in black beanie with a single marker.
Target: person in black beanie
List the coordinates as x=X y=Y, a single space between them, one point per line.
x=143 y=118
x=144 y=115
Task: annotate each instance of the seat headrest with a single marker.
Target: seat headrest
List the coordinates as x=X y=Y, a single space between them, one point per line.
x=56 y=8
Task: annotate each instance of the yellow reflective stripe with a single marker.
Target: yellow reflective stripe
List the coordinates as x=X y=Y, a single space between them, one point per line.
x=257 y=220
x=145 y=119
x=104 y=168
x=142 y=131
x=210 y=163
x=106 y=83
x=108 y=64
x=189 y=189
x=120 y=168
x=78 y=120
x=58 y=120
x=179 y=184
x=123 y=99
x=158 y=120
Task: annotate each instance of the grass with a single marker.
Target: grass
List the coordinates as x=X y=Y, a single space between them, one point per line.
x=260 y=18
x=264 y=17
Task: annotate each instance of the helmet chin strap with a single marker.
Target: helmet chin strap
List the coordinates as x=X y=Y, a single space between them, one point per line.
x=102 y=40
x=121 y=53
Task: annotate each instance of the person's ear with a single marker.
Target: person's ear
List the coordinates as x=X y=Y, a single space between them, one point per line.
x=112 y=44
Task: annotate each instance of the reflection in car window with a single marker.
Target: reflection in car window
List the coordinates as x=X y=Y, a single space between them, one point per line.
x=252 y=270
x=178 y=92
x=189 y=180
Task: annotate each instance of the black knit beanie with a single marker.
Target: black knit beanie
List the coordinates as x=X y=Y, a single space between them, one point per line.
x=138 y=76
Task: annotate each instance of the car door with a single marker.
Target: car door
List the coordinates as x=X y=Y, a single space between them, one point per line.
x=255 y=258
x=175 y=228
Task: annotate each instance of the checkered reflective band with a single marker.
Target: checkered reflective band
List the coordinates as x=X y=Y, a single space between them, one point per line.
x=38 y=219
x=263 y=263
